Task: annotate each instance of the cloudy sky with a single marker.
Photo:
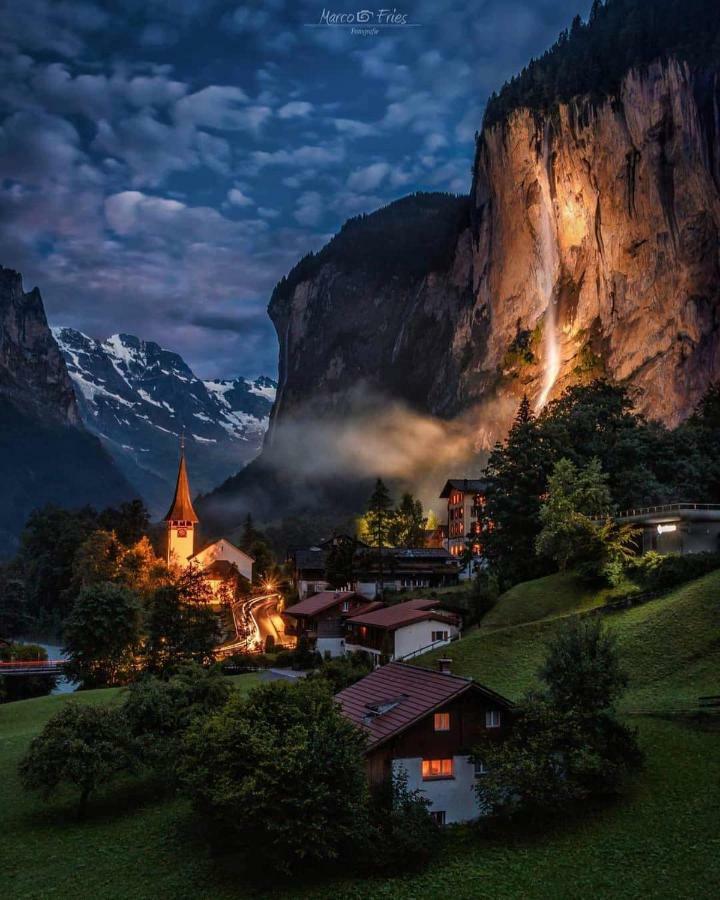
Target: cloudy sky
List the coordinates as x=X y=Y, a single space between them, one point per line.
x=163 y=163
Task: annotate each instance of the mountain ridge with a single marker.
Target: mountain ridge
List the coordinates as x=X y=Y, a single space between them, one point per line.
x=138 y=398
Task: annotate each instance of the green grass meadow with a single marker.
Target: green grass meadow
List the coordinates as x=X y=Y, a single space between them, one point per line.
x=662 y=840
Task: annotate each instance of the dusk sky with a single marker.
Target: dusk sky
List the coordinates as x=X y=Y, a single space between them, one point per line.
x=163 y=164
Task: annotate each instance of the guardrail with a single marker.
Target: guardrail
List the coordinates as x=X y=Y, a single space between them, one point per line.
x=427 y=648
x=667 y=507
x=32 y=666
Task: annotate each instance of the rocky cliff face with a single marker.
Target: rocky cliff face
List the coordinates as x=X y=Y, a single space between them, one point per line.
x=590 y=249
x=595 y=246
x=593 y=250
x=33 y=376
x=46 y=456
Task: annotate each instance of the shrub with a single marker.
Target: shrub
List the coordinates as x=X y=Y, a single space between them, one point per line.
x=653 y=572
x=81 y=746
x=565 y=744
x=404 y=835
x=102 y=634
x=279 y=775
x=157 y=712
x=582 y=668
x=342 y=671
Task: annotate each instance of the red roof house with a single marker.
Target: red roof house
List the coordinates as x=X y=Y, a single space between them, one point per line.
x=427 y=723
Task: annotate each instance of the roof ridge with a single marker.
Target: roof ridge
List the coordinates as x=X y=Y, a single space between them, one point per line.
x=466 y=678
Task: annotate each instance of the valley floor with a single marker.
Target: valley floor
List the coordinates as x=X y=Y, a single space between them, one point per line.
x=660 y=841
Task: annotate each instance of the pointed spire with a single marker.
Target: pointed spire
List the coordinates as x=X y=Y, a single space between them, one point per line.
x=182 y=508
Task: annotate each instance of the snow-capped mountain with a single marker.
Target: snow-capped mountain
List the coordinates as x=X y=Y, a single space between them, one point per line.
x=139 y=398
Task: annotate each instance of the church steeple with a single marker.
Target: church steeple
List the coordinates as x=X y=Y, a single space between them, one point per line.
x=181 y=518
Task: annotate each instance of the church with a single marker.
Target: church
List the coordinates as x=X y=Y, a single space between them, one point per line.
x=221 y=560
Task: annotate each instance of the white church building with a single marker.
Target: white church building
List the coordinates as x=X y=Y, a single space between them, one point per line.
x=219 y=560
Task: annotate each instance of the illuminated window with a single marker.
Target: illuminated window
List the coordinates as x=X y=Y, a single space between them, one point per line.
x=437 y=768
x=492 y=718
x=442 y=721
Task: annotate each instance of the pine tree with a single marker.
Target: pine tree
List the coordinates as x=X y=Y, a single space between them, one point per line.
x=517 y=478
x=379 y=521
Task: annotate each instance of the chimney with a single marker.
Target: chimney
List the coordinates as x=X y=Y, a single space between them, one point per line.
x=444 y=665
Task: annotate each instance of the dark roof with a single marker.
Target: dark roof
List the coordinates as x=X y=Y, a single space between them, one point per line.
x=318 y=603
x=181 y=509
x=408 y=552
x=309 y=558
x=390 y=618
x=466 y=485
x=394 y=697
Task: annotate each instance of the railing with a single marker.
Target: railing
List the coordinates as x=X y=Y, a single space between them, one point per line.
x=667 y=507
x=32 y=666
x=427 y=648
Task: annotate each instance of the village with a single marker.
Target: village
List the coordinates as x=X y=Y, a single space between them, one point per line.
x=394 y=607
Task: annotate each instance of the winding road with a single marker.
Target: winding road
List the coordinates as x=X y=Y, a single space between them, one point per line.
x=255 y=619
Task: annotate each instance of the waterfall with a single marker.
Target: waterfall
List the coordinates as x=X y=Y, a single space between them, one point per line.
x=546 y=271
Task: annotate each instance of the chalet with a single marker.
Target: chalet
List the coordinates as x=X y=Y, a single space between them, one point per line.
x=676 y=527
x=465 y=504
x=427 y=723
x=403 y=568
x=308 y=564
x=402 y=631
x=321 y=619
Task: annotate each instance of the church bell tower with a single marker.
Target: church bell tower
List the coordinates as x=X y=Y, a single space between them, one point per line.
x=181 y=519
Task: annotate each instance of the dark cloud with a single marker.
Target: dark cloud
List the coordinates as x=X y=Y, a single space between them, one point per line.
x=164 y=162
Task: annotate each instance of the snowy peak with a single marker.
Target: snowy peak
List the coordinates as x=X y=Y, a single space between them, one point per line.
x=139 y=397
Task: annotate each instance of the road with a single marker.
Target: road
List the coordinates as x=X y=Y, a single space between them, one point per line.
x=255 y=618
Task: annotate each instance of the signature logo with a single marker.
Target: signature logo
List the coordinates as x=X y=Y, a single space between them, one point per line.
x=379 y=18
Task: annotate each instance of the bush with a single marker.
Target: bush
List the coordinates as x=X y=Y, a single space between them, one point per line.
x=279 y=776
x=565 y=743
x=81 y=746
x=102 y=634
x=342 y=671
x=483 y=596
x=404 y=836
x=157 y=712
x=653 y=572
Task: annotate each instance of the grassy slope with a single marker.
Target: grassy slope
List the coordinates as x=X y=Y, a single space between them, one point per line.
x=661 y=841
x=554 y=595
x=670 y=646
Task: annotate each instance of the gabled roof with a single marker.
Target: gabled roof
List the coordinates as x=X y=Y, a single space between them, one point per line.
x=318 y=603
x=390 y=618
x=394 y=697
x=181 y=509
x=221 y=541
x=466 y=485
x=309 y=558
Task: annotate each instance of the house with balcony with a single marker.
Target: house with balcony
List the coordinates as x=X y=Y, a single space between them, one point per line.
x=320 y=619
x=402 y=631
x=676 y=527
x=427 y=723
x=465 y=515
x=403 y=569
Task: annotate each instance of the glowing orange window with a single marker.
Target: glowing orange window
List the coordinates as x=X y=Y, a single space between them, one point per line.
x=442 y=721
x=437 y=768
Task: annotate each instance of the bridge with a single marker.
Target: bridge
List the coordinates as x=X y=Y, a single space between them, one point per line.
x=32 y=667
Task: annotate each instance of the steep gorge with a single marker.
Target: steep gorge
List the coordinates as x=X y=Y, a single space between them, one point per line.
x=590 y=248
x=593 y=234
